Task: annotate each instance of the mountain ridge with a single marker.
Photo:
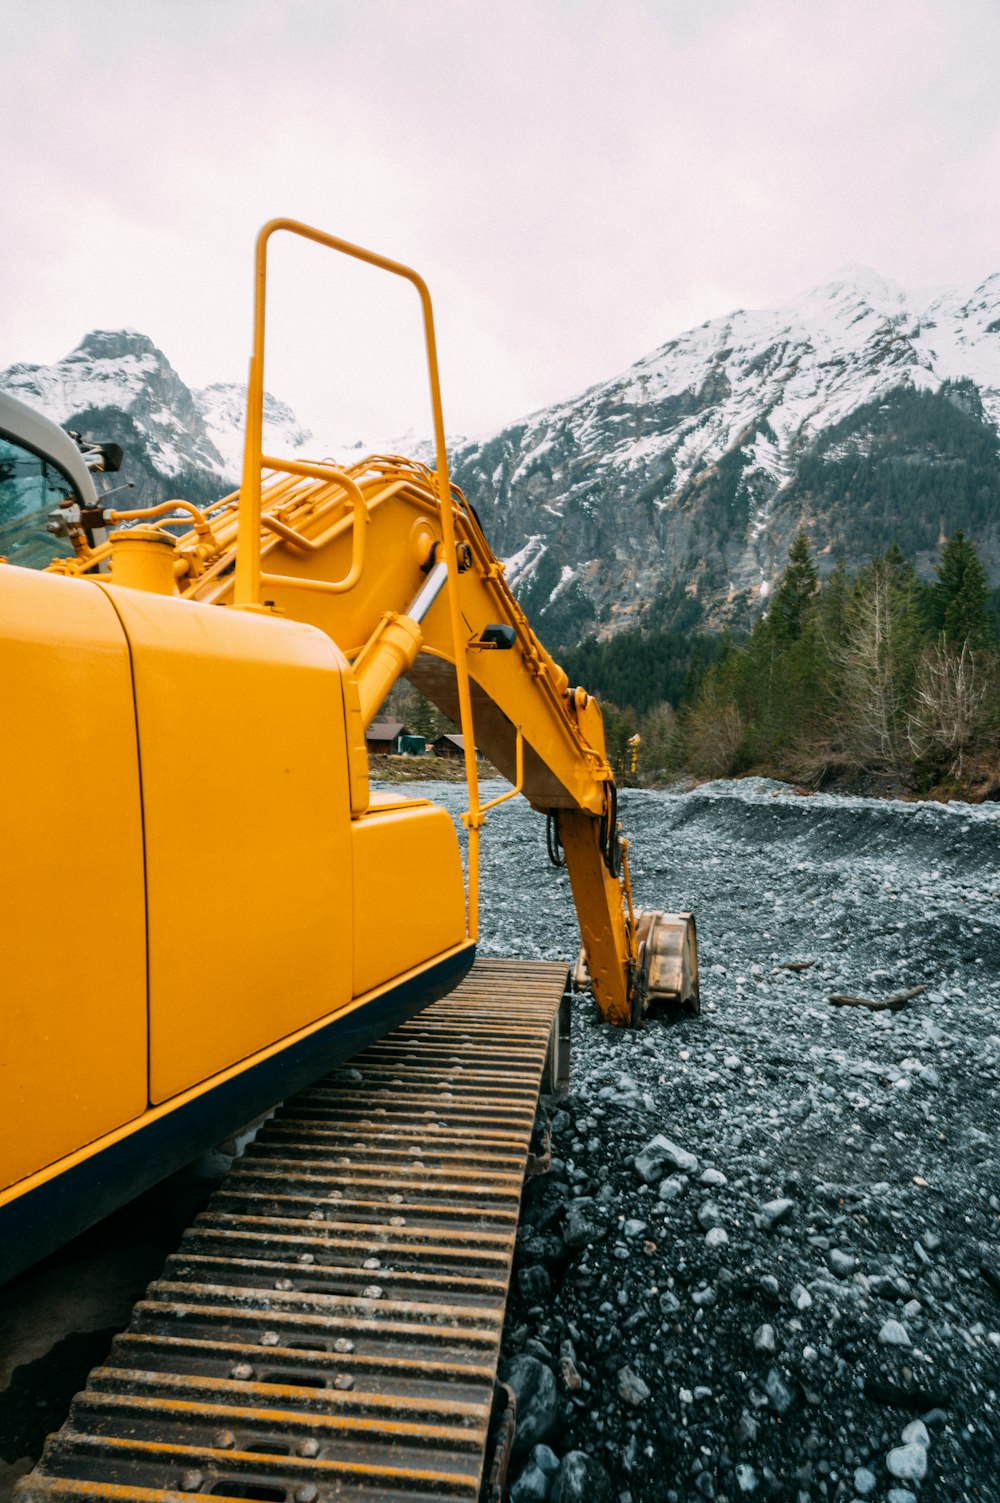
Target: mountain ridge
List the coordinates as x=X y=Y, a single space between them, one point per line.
x=668 y=494
x=680 y=479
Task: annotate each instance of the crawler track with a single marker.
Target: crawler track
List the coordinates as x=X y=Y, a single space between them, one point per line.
x=330 y=1325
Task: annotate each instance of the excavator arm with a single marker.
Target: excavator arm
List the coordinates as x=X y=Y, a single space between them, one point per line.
x=389 y=560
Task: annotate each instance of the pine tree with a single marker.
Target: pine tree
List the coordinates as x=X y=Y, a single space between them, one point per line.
x=795 y=594
x=959 y=599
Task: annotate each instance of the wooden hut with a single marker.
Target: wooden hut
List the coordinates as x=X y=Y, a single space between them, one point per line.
x=451 y=744
x=384 y=736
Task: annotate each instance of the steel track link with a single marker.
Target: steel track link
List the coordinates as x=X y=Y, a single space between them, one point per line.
x=330 y=1325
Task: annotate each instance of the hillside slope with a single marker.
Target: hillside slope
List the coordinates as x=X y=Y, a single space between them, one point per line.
x=669 y=494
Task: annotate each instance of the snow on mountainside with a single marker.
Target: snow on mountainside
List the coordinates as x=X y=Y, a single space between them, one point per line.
x=668 y=495
x=183 y=430
x=681 y=482
x=223 y=411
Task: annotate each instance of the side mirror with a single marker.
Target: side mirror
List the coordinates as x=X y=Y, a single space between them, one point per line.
x=102 y=459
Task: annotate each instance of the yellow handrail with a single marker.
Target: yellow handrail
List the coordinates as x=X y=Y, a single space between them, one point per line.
x=248 y=579
x=518 y=777
x=289 y=535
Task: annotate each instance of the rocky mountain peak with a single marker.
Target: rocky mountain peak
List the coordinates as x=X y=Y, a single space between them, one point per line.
x=182 y=431
x=860 y=411
x=116 y=344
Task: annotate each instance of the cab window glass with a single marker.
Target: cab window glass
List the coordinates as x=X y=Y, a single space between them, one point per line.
x=30 y=487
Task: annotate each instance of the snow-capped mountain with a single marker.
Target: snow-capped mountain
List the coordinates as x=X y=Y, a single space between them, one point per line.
x=182 y=430
x=861 y=411
x=668 y=495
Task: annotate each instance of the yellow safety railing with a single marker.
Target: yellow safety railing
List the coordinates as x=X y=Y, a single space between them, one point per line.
x=360 y=513
x=248 y=580
x=518 y=779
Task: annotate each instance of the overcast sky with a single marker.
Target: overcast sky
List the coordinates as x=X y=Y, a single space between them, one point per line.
x=578 y=180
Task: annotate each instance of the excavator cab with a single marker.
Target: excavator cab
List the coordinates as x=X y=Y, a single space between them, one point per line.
x=40 y=469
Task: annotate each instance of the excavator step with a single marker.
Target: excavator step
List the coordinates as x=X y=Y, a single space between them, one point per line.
x=330 y=1325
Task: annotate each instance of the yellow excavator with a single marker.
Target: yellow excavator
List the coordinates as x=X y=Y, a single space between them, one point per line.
x=206 y=905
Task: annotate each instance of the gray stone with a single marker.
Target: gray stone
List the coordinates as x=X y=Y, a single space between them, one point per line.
x=534 y=1284
x=778 y=1391
x=534 y=1386
x=631 y=1389
x=774 y=1212
x=916 y=1433
x=532 y=1486
x=865 y=1482
x=673 y=1186
x=764 y=1340
x=841 y=1263
x=801 y=1298
x=581 y=1479
x=535 y=1482
x=713 y=1177
x=900 y=1495
x=746 y=1478
x=659 y=1154
x=770 y=1285
x=747 y=1428
x=546 y=1460
x=894 y=1334
x=716 y=1236
x=908 y=1463
x=709 y=1215
x=583 y=1223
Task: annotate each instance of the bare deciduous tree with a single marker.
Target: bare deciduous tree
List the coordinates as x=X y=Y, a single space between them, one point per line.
x=715 y=734
x=951 y=702
x=876 y=662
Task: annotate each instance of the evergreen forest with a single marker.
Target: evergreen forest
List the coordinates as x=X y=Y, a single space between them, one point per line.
x=878 y=682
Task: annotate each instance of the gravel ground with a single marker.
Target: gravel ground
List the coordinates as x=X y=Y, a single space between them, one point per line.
x=766 y=1261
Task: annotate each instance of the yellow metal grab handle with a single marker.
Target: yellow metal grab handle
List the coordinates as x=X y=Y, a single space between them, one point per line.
x=248 y=581
x=143 y=515
x=518 y=779
x=360 y=512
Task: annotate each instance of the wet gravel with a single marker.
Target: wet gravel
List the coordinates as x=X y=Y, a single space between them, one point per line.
x=766 y=1262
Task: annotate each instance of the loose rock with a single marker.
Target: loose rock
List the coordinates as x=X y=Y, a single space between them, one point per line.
x=764 y=1340
x=774 y=1212
x=534 y=1386
x=659 y=1154
x=908 y=1463
x=581 y=1479
x=631 y=1389
x=778 y=1391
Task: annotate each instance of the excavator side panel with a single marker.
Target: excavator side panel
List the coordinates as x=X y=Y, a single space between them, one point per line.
x=72 y=875
x=409 y=897
x=246 y=804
